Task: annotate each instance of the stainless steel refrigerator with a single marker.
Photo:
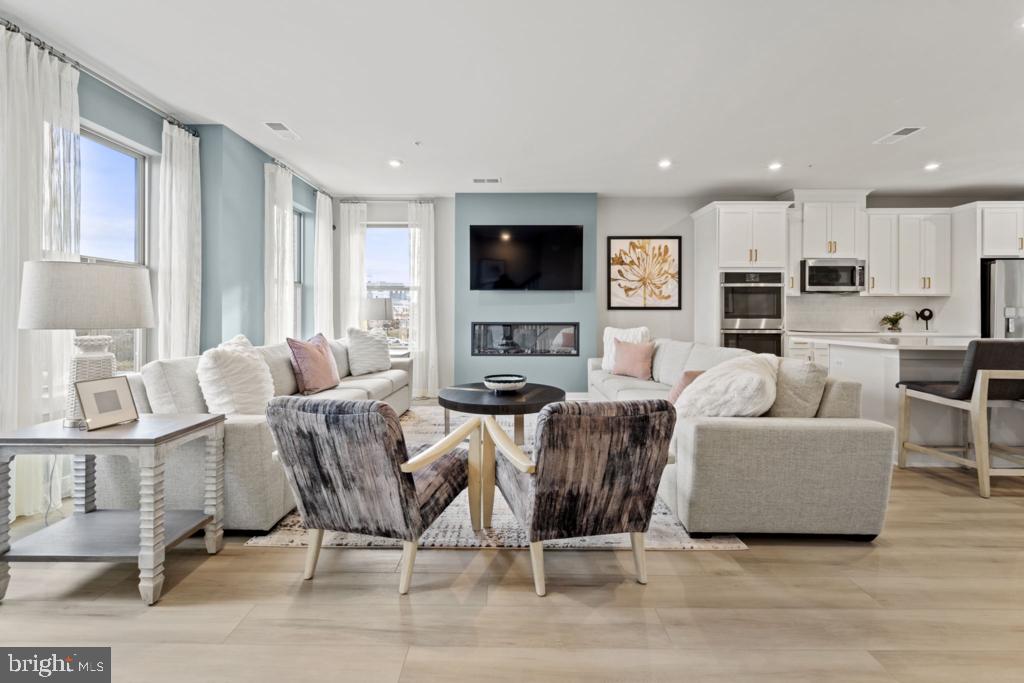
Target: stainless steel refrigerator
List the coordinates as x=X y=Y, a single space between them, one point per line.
x=1003 y=298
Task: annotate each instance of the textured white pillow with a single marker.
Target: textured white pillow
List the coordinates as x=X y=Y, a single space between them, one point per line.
x=235 y=378
x=367 y=352
x=634 y=335
x=741 y=387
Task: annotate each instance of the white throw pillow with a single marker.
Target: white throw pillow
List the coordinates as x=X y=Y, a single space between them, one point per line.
x=635 y=335
x=741 y=387
x=235 y=378
x=367 y=352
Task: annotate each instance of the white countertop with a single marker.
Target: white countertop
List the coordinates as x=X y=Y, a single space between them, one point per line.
x=899 y=342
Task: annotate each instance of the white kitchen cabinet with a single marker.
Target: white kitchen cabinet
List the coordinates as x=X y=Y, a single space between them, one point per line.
x=883 y=255
x=1002 y=231
x=748 y=234
x=735 y=248
x=795 y=230
x=800 y=350
x=768 y=237
x=830 y=229
x=925 y=254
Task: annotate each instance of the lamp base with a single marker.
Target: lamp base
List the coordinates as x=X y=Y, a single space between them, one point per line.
x=92 y=360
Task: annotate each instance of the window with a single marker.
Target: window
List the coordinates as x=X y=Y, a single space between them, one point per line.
x=113 y=222
x=299 y=227
x=388 y=275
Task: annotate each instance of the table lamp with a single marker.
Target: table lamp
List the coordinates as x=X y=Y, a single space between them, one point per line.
x=68 y=295
x=377 y=310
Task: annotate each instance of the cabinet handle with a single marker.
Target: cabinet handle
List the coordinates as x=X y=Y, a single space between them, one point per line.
x=923 y=285
x=872 y=282
x=1020 y=243
x=750 y=255
x=835 y=247
x=755 y=255
x=929 y=282
x=791 y=282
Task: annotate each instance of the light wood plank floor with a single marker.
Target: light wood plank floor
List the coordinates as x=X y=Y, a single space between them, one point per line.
x=939 y=597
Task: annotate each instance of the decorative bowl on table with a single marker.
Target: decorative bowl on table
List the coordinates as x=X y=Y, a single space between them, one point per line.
x=504 y=382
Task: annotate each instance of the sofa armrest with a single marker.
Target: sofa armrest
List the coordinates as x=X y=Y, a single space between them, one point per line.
x=722 y=437
x=138 y=389
x=593 y=364
x=402 y=364
x=841 y=398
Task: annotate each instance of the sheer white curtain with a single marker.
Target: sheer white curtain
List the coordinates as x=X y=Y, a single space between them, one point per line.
x=180 y=262
x=323 y=271
x=279 y=256
x=352 y=221
x=39 y=211
x=422 y=309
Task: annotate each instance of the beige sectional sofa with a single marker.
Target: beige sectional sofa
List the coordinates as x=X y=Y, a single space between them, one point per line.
x=827 y=474
x=256 y=493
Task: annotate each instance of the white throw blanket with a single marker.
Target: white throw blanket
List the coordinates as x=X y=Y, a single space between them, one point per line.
x=740 y=387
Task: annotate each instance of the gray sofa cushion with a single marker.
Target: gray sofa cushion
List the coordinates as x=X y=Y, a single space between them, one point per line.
x=670 y=358
x=798 y=389
x=613 y=386
x=375 y=387
x=172 y=386
x=340 y=356
x=279 y=360
x=704 y=357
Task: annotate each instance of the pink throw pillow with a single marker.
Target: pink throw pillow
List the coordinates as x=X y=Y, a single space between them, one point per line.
x=633 y=360
x=684 y=381
x=314 y=364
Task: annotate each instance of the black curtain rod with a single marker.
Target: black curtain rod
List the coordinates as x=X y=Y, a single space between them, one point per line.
x=43 y=45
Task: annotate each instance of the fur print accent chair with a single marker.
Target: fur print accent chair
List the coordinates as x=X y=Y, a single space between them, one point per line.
x=595 y=470
x=348 y=466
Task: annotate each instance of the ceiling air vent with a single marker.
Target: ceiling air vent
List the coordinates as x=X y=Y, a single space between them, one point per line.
x=486 y=181
x=282 y=131
x=898 y=135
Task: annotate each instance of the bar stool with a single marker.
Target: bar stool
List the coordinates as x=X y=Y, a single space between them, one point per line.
x=992 y=377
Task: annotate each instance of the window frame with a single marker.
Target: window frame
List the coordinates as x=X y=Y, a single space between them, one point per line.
x=142 y=223
x=299 y=264
x=410 y=288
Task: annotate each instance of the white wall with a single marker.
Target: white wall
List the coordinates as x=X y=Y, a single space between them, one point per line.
x=617 y=216
x=444 y=267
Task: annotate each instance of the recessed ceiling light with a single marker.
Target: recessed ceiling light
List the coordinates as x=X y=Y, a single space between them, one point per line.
x=395 y=163
x=665 y=164
x=775 y=166
x=505 y=236
x=932 y=166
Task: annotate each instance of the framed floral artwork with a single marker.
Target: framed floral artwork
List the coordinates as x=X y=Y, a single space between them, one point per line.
x=643 y=273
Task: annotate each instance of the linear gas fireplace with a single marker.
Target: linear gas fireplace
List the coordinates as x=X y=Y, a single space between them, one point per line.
x=525 y=339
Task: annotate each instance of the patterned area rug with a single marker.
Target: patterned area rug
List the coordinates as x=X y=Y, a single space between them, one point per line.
x=425 y=424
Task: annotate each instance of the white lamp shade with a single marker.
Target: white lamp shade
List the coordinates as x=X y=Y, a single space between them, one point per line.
x=67 y=295
x=377 y=309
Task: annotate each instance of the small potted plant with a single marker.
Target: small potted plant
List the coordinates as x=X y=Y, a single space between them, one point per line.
x=893 y=320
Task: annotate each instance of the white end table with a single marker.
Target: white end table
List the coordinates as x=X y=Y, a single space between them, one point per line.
x=92 y=535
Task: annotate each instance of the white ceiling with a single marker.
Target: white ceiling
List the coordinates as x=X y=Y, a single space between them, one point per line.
x=583 y=95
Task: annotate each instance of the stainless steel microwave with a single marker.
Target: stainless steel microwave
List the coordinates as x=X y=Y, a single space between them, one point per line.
x=836 y=275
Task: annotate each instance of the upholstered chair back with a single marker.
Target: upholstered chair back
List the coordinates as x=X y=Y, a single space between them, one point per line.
x=992 y=354
x=342 y=459
x=598 y=465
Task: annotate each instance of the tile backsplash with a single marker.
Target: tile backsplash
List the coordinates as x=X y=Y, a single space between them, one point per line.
x=851 y=313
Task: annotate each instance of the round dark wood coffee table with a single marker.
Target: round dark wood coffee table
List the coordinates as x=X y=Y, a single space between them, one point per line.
x=477 y=399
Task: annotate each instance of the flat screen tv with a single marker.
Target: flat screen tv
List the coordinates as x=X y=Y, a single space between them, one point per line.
x=535 y=257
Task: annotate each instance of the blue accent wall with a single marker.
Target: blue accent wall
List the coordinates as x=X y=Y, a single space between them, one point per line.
x=232 y=187
x=504 y=306
x=106 y=107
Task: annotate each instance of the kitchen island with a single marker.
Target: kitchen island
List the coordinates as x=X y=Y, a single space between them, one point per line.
x=879 y=363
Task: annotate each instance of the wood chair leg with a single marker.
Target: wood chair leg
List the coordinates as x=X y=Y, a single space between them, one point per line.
x=315 y=538
x=487 y=475
x=903 y=433
x=537 y=560
x=473 y=472
x=979 y=424
x=636 y=538
x=408 y=558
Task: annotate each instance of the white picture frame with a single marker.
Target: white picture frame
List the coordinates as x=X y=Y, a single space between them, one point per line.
x=106 y=402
